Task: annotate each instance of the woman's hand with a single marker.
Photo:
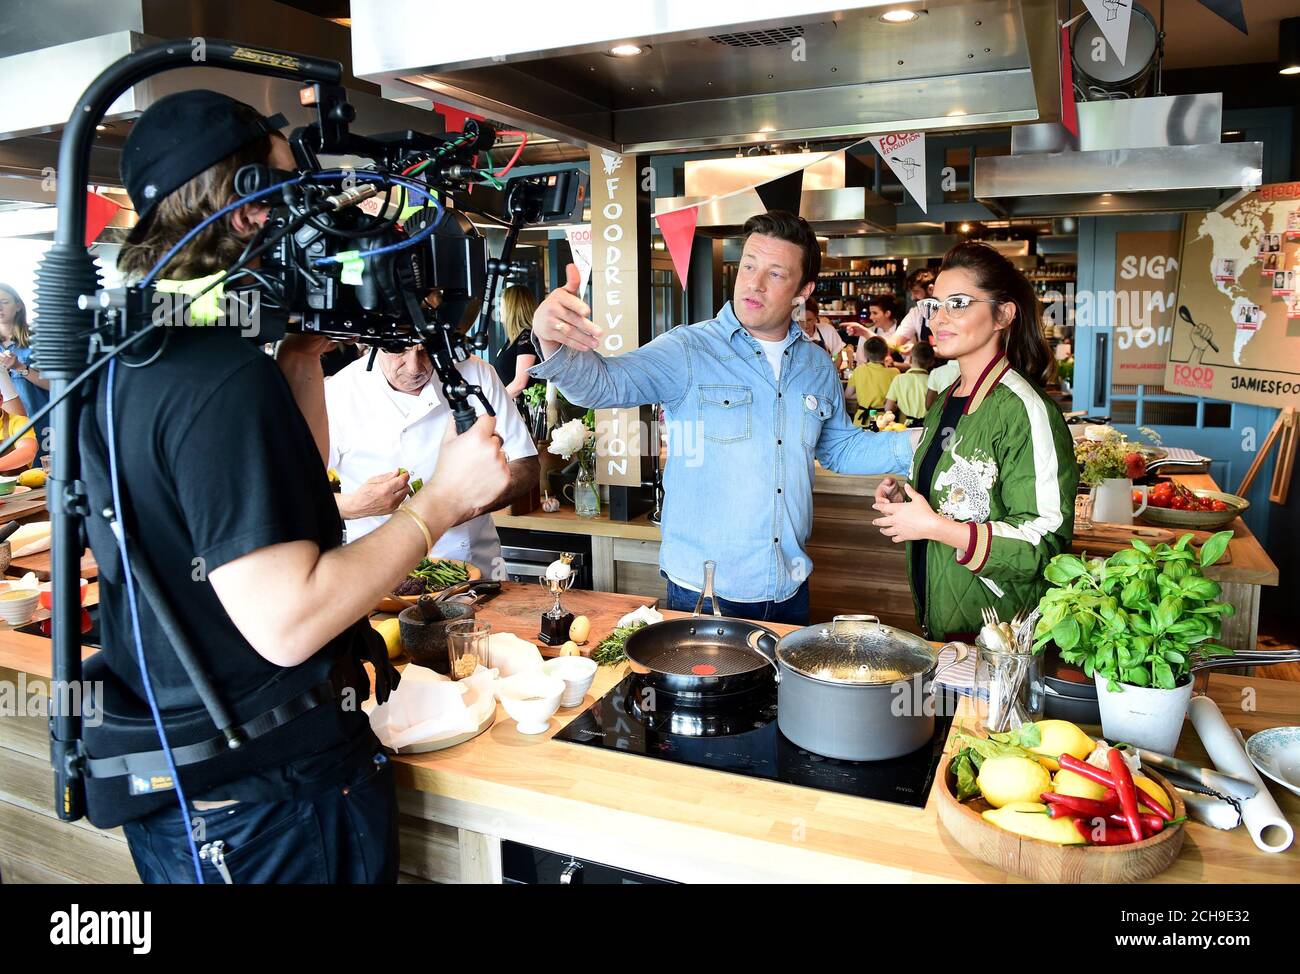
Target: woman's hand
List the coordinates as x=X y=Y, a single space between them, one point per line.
x=8 y=360
x=888 y=491
x=912 y=520
x=857 y=330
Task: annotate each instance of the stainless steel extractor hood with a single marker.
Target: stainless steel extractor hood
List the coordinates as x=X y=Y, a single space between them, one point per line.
x=723 y=72
x=1140 y=155
x=835 y=198
x=907 y=245
x=53 y=49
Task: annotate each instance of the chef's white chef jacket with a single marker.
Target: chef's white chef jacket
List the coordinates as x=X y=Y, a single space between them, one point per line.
x=375 y=429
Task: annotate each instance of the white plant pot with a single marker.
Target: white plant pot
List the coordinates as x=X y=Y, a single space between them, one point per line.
x=1145 y=717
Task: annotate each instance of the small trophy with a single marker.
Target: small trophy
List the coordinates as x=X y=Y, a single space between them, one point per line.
x=558 y=579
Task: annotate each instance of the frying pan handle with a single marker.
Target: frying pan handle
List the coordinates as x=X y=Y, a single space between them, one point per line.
x=709 y=568
x=755 y=642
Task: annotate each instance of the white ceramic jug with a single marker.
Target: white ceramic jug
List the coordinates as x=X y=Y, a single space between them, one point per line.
x=1112 y=501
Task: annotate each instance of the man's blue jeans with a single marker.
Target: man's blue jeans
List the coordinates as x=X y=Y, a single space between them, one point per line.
x=346 y=834
x=793 y=611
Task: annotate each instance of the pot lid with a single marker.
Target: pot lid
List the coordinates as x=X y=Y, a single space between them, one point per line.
x=856 y=649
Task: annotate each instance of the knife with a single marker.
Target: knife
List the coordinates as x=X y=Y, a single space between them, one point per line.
x=1216 y=781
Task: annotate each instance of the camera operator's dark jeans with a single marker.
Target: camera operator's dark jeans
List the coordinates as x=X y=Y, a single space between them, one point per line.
x=346 y=834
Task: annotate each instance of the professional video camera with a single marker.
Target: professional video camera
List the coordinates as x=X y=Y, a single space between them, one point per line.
x=416 y=270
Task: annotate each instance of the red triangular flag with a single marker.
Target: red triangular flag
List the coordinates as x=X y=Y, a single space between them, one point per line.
x=100 y=211
x=678 y=228
x=1069 y=112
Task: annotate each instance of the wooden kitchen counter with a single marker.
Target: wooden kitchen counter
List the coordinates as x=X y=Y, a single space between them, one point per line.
x=624 y=810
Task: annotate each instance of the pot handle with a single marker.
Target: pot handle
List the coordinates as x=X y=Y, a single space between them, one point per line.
x=835 y=622
x=962 y=651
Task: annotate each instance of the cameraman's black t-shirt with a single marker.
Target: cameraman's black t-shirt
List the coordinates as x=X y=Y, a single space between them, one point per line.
x=216 y=461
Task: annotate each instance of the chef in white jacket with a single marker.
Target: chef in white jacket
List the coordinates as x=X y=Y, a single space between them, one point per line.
x=386 y=428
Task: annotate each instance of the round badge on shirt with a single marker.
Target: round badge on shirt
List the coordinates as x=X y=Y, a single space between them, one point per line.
x=810 y=402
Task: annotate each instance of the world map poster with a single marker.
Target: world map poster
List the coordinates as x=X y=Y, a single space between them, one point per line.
x=1236 y=334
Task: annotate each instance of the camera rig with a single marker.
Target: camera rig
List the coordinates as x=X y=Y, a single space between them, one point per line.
x=385 y=255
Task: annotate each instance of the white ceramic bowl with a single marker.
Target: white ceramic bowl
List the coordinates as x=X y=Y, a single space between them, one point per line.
x=16 y=612
x=577 y=672
x=531 y=698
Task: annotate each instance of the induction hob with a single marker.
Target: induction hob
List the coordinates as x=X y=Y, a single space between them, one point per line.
x=740 y=736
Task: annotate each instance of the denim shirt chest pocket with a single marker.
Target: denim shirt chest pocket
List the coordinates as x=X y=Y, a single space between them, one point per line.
x=726 y=412
x=816 y=411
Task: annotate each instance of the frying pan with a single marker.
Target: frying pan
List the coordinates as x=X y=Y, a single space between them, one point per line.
x=704 y=656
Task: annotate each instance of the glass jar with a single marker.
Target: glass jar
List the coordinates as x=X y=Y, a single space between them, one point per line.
x=1009 y=688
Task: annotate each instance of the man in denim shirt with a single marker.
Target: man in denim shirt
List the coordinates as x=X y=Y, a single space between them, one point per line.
x=765 y=402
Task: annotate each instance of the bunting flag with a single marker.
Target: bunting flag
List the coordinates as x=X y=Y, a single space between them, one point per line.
x=1229 y=10
x=678 y=229
x=1069 y=111
x=579 y=238
x=100 y=211
x=905 y=154
x=782 y=193
x=1113 y=16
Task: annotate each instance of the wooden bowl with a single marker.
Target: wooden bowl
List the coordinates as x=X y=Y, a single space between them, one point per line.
x=1047 y=862
x=396 y=603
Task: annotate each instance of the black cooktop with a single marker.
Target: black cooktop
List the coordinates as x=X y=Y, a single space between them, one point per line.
x=740 y=736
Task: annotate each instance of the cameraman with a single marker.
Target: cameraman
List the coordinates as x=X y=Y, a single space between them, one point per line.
x=224 y=492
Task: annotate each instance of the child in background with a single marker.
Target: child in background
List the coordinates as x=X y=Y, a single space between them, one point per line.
x=871 y=380
x=906 y=394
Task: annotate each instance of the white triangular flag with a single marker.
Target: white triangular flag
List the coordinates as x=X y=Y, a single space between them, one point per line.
x=580 y=246
x=1112 y=16
x=905 y=153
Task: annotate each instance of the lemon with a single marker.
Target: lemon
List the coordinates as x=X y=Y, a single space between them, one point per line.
x=1061 y=737
x=1007 y=779
x=32 y=478
x=391 y=630
x=1030 y=819
x=1154 y=790
x=1068 y=783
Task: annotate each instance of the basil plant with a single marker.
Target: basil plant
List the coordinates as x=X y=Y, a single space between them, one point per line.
x=1144 y=616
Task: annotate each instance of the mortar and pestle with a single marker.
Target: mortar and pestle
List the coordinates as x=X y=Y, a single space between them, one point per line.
x=424 y=625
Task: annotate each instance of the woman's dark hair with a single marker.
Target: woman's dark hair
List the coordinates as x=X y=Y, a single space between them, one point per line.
x=786 y=226
x=1022 y=341
x=886 y=303
x=22 y=336
x=216 y=247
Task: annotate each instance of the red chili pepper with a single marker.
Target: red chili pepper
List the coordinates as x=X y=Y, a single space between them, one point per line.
x=1109 y=835
x=1127 y=792
x=1094 y=773
x=1078 y=806
x=1150 y=823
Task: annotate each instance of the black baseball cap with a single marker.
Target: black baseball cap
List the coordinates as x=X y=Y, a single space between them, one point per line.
x=180 y=136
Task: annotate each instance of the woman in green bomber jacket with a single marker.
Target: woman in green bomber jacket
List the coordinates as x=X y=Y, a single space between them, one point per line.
x=993 y=479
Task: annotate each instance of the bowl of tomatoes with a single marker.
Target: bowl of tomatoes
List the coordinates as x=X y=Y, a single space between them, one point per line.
x=1171 y=505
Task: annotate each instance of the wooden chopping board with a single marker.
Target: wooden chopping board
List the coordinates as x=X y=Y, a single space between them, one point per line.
x=1106 y=539
x=519 y=607
x=14 y=507
x=40 y=564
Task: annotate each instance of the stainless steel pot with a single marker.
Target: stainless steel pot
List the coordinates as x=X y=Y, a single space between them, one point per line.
x=857 y=690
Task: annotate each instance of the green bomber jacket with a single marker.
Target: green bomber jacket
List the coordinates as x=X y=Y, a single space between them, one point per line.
x=1008 y=470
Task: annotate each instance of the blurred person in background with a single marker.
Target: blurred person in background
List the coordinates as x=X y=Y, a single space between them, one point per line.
x=15 y=356
x=517 y=356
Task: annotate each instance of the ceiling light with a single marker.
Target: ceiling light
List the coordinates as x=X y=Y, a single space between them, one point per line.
x=964 y=228
x=899 y=16
x=1288 y=46
x=957 y=113
x=626 y=50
